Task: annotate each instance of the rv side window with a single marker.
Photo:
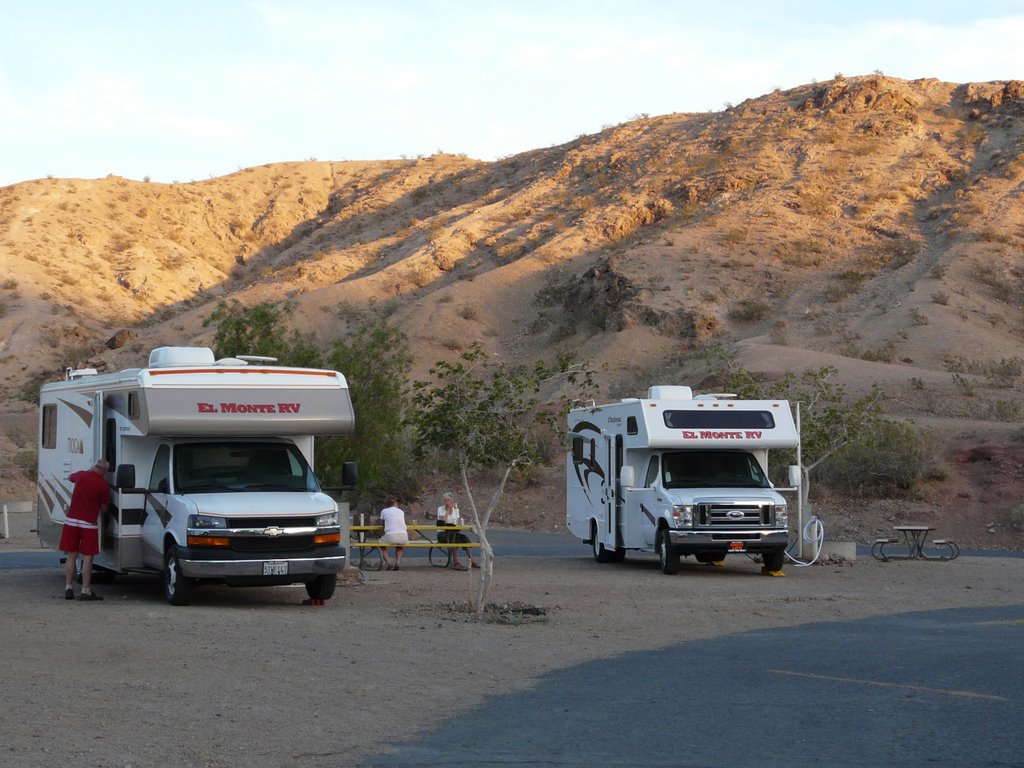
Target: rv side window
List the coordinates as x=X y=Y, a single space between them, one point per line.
x=652 y=472
x=133 y=406
x=161 y=470
x=700 y=419
x=48 y=438
x=631 y=428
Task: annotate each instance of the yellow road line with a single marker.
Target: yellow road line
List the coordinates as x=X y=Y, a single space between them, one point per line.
x=942 y=691
x=1004 y=623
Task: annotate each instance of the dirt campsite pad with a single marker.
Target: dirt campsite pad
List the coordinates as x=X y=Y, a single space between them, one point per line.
x=252 y=677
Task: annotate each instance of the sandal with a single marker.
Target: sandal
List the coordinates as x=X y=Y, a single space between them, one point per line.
x=460 y=567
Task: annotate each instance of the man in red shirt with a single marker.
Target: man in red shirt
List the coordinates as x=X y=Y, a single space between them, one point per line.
x=90 y=497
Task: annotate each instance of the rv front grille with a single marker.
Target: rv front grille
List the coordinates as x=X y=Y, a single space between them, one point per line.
x=734 y=514
x=271 y=522
x=271 y=543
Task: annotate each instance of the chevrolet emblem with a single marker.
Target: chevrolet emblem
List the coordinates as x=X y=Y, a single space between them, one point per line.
x=273 y=531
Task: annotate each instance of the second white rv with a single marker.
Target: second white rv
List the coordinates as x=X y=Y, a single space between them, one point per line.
x=214 y=469
x=679 y=475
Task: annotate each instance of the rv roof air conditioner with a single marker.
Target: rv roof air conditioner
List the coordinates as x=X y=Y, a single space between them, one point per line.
x=174 y=357
x=76 y=373
x=664 y=392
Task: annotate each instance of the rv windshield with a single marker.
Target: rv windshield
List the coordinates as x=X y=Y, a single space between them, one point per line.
x=712 y=469
x=226 y=467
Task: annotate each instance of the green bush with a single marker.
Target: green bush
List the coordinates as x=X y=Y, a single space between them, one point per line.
x=893 y=460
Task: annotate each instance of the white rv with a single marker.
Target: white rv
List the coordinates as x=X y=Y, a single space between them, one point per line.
x=677 y=475
x=213 y=479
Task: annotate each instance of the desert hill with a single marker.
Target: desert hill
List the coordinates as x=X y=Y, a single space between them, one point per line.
x=868 y=223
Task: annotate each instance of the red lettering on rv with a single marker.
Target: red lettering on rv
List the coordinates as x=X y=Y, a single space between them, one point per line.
x=248 y=408
x=709 y=435
x=754 y=434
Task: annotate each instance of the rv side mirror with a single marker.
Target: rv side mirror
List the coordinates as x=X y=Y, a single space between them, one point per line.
x=795 y=475
x=349 y=474
x=627 y=477
x=125 y=476
x=577 y=449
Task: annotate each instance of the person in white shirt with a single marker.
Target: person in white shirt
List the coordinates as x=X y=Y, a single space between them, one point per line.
x=448 y=514
x=395 y=533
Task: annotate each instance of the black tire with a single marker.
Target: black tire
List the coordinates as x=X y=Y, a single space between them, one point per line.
x=601 y=555
x=668 y=556
x=178 y=589
x=439 y=557
x=322 y=587
x=774 y=560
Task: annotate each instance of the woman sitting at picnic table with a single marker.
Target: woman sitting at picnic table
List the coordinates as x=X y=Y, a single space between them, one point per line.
x=395 y=534
x=448 y=514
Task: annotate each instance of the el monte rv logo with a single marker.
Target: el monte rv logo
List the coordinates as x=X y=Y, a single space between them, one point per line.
x=249 y=407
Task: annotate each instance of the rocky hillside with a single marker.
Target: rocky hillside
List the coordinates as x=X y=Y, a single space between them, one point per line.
x=868 y=223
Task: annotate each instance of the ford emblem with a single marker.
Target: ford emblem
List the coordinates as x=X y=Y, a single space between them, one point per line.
x=734 y=514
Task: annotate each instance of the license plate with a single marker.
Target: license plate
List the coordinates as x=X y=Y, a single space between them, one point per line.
x=737 y=546
x=275 y=568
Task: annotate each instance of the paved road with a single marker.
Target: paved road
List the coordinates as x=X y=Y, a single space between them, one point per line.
x=931 y=688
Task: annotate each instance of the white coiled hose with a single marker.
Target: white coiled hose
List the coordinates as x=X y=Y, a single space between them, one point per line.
x=813 y=531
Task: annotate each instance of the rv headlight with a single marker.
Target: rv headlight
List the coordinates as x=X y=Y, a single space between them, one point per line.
x=781 y=515
x=330 y=520
x=682 y=515
x=206 y=521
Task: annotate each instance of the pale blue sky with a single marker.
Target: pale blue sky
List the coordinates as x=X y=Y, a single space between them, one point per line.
x=185 y=90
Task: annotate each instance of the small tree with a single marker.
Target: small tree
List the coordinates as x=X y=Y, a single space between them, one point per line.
x=261 y=330
x=487 y=415
x=375 y=361
x=830 y=420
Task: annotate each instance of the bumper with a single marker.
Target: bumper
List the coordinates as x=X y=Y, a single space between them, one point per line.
x=227 y=565
x=725 y=540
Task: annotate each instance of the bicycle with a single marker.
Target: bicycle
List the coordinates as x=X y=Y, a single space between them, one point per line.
x=369 y=557
x=442 y=556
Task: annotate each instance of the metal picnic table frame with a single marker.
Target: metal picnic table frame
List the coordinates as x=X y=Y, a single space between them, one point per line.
x=913 y=537
x=362 y=542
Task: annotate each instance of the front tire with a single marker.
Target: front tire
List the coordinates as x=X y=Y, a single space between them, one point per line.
x=668 y=556
x=322 y=587
x=774 y=560
x=601 y=555
x=178 y=588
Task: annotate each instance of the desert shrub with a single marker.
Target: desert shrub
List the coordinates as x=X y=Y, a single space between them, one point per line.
x=25 y=460
x=848 y=281
x=749 y=311
x=892 y=460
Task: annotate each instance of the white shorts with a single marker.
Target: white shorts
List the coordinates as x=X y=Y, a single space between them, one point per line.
x=395 y=538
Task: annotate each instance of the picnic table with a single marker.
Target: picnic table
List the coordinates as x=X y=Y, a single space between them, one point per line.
x=362 y=543
x=914 y=538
